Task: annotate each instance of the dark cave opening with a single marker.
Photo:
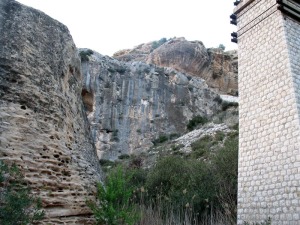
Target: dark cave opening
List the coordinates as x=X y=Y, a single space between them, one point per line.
x=88 y=100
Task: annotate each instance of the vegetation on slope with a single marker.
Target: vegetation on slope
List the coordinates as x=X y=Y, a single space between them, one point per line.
x=84 y=55
x=17 y=204
x=198 y=187
x=156 y=44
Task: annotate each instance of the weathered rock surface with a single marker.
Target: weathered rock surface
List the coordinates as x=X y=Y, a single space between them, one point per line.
x=230 y=98
x=131 y=104
x=43 y=126
x=209 y=129
x=217 y=67
x=139 y=53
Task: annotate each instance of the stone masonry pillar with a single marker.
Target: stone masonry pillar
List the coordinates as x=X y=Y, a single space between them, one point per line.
x=269 y=91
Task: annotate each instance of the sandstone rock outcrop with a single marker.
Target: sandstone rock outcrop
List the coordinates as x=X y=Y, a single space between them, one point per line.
x=131 y=104
x=43 y=125
x=217 y=67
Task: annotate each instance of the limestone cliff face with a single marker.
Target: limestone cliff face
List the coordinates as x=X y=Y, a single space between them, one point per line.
x=131 y=104
x=217 y=67
x=223 y=73
x=43 y=127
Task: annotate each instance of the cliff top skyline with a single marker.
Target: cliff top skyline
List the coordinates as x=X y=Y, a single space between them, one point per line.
x=109 y=26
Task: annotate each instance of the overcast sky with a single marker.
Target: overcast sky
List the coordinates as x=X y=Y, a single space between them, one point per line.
x=111 y=25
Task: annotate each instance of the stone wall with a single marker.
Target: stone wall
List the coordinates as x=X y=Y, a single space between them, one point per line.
x=269 y=153
x=43 y=125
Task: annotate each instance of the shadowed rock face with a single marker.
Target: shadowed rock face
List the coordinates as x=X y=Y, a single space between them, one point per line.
x=43 y=126
x=218 y=68
x=223 y=73
x=135 y=103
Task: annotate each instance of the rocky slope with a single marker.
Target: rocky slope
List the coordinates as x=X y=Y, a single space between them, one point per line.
x=43 y=126
x=217 y=67
x=131 y=104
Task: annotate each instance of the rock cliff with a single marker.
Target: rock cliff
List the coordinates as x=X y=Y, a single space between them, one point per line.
x=217 y=67
x=43 y=126
x=131 y=104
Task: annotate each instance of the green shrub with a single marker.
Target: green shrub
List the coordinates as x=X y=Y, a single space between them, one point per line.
x=178 y=184
x=17 y=205
x=225 y=165
x=161 y=139
x=137 y=177
x=124 y=156
x=235 y=127
x=156 y=44
x=112 y=70
x=202 y=147
x=181 y=182
x=226 y=105
x=173 y=136
x=266 y=222
x=219 y=136
x=136 y=162
x=226 y=162
x=106 y=162
x=121 y=70
x=210 y=183
x=169 y=175
x=84 y=55
x=222 y=47
x=195 y=122
x=165 y=137
x=113 y=205
x=218 y=99
x=203 y=187
x=176 y=147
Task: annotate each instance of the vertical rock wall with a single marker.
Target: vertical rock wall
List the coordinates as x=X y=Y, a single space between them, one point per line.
x=132 y=104
x=43 y=126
